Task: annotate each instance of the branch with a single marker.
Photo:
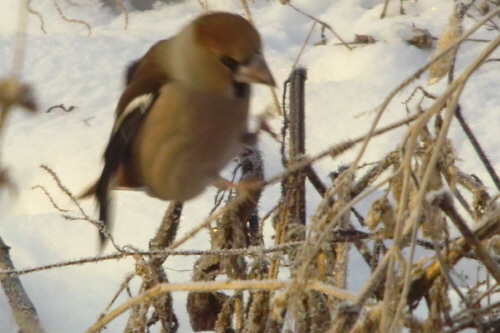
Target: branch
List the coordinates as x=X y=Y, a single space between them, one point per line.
x=205 y=286
x=24 y=311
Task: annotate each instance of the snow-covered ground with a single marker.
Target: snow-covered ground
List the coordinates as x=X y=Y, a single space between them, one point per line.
x=66 y=66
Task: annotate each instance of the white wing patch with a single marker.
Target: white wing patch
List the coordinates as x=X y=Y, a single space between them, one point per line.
x=141 y=103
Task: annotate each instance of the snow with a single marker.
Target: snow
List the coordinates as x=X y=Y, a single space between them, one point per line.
x=66 y=66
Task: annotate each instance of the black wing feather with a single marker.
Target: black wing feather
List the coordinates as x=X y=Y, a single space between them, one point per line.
x=115 y=152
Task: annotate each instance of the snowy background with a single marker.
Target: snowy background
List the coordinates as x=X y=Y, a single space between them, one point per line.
x=66 y=66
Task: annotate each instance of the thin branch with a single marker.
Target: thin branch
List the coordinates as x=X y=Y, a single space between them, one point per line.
x=276 y=102
x=23 y=309
x=40 y=17
x=98 y=224
x=124 y=11
x=50 y=198
x=20 y=40
x=65 y=18
x=326 y=25
x=297 y=58
x=338 y=149
x=210 y=286
x=493 y=268
x=339 y=235
x=246 y=9
x=477 y=147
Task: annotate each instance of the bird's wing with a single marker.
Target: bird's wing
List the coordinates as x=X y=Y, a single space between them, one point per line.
x=144 y=79
x=126 y=126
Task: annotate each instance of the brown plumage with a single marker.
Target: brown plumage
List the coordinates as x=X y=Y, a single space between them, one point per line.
x=183 y=115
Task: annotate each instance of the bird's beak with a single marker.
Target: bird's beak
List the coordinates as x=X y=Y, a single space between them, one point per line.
x=255 y=71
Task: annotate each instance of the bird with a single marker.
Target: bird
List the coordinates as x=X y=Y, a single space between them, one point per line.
x=183 y=114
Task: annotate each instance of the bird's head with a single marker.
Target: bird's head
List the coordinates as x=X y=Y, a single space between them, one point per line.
x=223 y=48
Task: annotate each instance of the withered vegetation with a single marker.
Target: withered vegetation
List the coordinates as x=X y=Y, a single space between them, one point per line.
x=416 y=195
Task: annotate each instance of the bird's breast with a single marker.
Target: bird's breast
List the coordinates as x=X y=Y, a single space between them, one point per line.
x=191 y=136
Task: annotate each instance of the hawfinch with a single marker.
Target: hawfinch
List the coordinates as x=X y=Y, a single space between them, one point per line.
x=183 y=115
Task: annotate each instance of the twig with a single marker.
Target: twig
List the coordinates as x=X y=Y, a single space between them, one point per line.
x=102 y=228
x=477 y=147
x=493 y=268
x=326 y=25
x=246 y=9
x=204 y=5
x=20 y=40
x=210 y=286
x=339 y=236
x=124 y=286
x=377 y=275
x=37 y=13
x=297 y=58
x=23 y=309
x=336 y=150
x=315 y=180
x=64 y=188
x=445 y=270
x=62 y=107
x=456 y=88
x=290 y=217
x=152 y=273
x=384 y=10
x=65 y=18
x=276 y=102
x=50 y=198
x=124 y=11
x=422 y=281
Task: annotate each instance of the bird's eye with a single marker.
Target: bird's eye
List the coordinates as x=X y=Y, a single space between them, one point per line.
x=229 y=62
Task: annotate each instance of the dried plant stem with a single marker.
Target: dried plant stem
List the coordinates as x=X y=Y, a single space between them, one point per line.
x=416 y=215
x=22 y=308
x=40 y=17
x=384 y=10
x=246 y=9
x=423 y=280
x=338 y=149
x=210 y=286
x=65 y=18
x=326 y=25
x=413 y=77
x=406 y=166
x=123 y=286
x=62 y=210
x=290 y=218
x=477 y=147
x=445 y=270
x=63 y=188
x=20 y=39
x=120 y=255
x=230 y=206
x=87 y=218
x=475 y=243
x=20 y=304
x=456 y=88
x=204 y=5
x=297 y=58
x=312 y=245
x=276 y=102
x=124 y=11
x=152 y=273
